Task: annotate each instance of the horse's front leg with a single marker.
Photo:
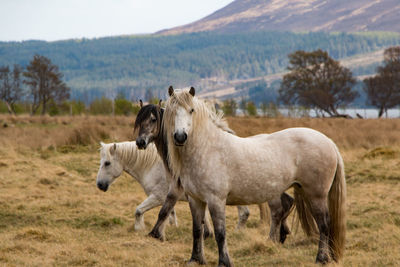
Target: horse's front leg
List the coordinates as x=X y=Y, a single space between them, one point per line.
x=151 y=202
x=197 y=209
x=175 y=192
x=217 y=211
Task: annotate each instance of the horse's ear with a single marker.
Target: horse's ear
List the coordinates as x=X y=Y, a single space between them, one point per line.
x=170 y=90
x=192 y=91
x=113 y=148
x=159 y=103
x=140 y=103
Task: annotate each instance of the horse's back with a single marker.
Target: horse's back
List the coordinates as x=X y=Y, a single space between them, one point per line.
x=275 y=161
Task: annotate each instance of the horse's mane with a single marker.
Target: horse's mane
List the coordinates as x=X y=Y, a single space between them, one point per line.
x=130 y=155
x=203 y=112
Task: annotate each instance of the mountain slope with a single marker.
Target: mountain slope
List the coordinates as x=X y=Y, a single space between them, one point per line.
x=299 y=15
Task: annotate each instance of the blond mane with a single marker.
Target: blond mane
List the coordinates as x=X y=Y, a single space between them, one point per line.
x=203 y=112
x=130 y=155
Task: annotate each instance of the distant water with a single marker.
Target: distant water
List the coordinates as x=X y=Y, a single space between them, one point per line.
x=367 y=113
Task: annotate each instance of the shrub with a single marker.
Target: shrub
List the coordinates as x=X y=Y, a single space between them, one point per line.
x=101 y=106
x=229 y=107
x=123 y=107
x=251 y=108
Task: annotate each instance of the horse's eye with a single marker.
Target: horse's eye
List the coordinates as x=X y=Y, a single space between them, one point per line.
x=107 y=163
x=153 y=120
x=192 y=110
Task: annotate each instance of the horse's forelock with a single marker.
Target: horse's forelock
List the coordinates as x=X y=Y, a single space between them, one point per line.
x=145 y=112
x=202 y=110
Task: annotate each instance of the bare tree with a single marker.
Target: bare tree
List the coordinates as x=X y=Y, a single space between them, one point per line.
x=317 y=81
x=10 y=86
x=383 y=90
x=45 y=82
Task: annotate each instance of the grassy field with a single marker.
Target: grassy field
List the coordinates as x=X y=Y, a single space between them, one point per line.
x=51 y=212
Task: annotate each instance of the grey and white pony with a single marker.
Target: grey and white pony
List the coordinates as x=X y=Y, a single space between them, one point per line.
x=217 y=169
x=149 y=125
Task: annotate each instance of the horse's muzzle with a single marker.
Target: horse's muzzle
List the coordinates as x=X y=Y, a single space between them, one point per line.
x=180 y=138
x=141 y=143
x=102 y=186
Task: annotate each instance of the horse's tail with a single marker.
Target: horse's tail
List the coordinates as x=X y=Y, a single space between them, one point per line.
x=337 y=210
x=304 y=213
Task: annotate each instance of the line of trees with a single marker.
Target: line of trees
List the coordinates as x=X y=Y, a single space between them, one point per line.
x=314 y=81
x=139 y=62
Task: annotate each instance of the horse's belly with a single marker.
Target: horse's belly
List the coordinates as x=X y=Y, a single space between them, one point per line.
x=254 y=195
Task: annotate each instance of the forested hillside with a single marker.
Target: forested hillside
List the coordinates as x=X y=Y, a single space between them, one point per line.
x=133 y=64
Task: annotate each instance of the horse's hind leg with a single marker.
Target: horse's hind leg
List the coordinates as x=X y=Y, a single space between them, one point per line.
x=208 y=230
x=244 y=213
x=151 y=202
x=197 y=209
x=173 y=220
x=280 y=209
x=264 y=216
x=319 y=210
x=287 y=204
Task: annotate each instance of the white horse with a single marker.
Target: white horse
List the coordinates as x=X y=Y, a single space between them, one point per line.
x=145 y=166
x=217 y=168
x=148 y=169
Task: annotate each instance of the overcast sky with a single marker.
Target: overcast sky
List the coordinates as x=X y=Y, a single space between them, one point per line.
x=52 y=20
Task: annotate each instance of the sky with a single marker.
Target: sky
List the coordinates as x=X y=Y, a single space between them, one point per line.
x=52 y=20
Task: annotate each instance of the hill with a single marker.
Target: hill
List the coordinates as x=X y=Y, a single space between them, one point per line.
x=299 y=15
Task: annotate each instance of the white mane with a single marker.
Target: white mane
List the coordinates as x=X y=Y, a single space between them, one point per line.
x=130 y=155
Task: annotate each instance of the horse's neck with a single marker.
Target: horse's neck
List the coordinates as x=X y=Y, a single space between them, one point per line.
x=201 y=138
x=133 y=164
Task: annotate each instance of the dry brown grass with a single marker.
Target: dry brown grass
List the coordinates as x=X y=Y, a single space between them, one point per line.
x=51 y=212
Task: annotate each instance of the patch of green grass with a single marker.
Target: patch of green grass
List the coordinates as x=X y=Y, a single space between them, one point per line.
x=78 y=165
x=73 y=149
x=96 y=221
x=257 y=248
x=12 y=219
x=82 y=262
x=383 y=152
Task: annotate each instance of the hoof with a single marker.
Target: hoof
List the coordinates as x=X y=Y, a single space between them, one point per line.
x=322 y=258
x=194 y=262
x=139 y=227
x=157 y=235
x=284 y=231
